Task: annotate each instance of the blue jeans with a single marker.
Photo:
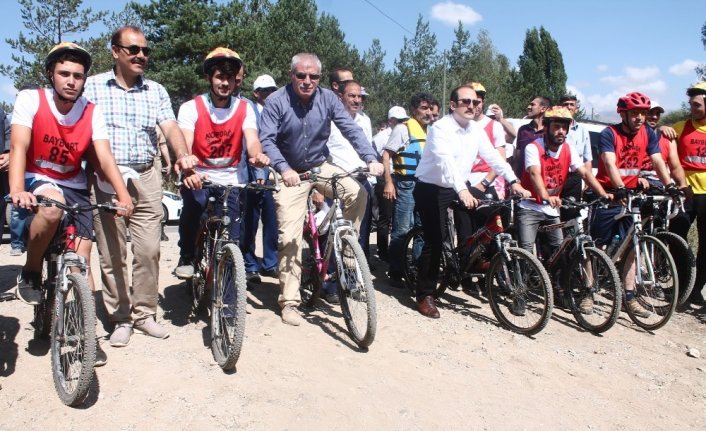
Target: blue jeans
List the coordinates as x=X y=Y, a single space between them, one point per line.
x=604 y=227
x=195 y=202
x=259 y=204
x=404 y=218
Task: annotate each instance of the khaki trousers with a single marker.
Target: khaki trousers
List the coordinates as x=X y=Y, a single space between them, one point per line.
x=126 y=303
x=291 y=206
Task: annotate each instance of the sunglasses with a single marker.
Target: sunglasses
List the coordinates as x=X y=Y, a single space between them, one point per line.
x=313 y=76
x=134 y=49
x=468 y=102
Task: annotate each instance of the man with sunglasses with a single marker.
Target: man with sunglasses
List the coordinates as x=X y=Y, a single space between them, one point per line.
x=404 y=149
x=133 y=106
x=452 y=146
x=294 y=130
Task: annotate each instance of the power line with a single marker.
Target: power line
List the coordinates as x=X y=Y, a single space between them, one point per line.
x=389 y=17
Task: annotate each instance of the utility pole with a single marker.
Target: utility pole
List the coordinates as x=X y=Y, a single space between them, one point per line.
x=443 y=90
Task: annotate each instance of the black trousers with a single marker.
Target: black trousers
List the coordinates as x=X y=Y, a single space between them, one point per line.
x=384 y=221
x=695 y=210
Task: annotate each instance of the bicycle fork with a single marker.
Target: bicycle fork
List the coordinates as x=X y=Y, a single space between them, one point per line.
x=65 y=262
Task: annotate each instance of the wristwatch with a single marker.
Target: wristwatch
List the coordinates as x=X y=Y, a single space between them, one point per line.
x=485 y=183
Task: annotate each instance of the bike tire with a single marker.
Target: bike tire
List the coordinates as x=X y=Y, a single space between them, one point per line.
x=660 y=305
x=310 y=286
x=356 y=292
x=44 y=311
x=198 y=284
x=684 y=259
x=228 y=307
x=73 y=351
x=605 y=290
x=521 y=280
x=410 y=261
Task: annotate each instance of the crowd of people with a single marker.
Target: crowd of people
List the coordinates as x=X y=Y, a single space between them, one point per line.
x=418 y=164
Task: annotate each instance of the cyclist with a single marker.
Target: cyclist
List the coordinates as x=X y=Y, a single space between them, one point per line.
x=215 y=125
x=548 y=162
x=622 y=150
x=52 y=130
x=667 y=147
x=692 y=155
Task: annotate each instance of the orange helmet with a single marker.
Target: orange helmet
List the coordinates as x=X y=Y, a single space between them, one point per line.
x=558 y=113
x=222 y=54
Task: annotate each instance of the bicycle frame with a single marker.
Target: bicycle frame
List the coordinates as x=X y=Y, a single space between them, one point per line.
x=632 y=209
x=578 y=240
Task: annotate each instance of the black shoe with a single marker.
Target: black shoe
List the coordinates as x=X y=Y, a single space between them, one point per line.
x=253 y=277
x=396 y=280
x=101 y=357
x=332 y=298
x=272 y=273
x=697 y=299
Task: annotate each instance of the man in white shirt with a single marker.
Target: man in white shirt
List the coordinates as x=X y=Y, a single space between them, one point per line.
x=453 y=144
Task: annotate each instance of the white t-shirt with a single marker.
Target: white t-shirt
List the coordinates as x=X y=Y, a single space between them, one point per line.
x=498 y=142
x=187 y=120
x=26 y=107
x=341 y=152
x=532 y=159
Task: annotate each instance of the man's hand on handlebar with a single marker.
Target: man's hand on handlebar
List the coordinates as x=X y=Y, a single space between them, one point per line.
x=290 y=178
x=260 y=160
x=375 y=168
x=467 y=199
x=24 y=200
x=192 y=180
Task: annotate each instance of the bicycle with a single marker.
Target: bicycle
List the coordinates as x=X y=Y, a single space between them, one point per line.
x=658 y=210
x=592 y=280
x=354 y=282
x=656 y=278
x=219 y=282
x=66 y=312
x=517 y=285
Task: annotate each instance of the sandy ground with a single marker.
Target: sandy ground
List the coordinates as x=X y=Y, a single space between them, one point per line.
x=459 y=372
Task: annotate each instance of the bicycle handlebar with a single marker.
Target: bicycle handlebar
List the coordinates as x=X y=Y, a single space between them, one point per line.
x=43 y=201
x=247 y=186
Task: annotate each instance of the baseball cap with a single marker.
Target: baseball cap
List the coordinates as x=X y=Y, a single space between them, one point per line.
x=397 y=112
x=264 y=81
x=655 y=105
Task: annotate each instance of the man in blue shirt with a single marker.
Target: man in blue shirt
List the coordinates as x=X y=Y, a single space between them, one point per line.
x=294 y=129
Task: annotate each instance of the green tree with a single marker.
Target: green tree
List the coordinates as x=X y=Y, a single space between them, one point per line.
x=701 y=70
x=47 y=22
x=417 y=67
x=377 y=82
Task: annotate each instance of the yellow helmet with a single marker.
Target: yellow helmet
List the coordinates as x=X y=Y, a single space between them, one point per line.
x=696 y=89
x=68 y=47
x=558 y=113
x=478 y=88
x=222 y=54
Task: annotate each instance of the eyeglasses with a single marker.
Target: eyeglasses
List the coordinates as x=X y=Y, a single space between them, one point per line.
x=134 y=49
x=313 y=76
x=467 y=102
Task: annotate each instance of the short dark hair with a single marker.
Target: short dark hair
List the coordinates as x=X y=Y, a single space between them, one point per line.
x=73 y=58
x=435 y=103
x=333 y=75
x=225 y=66
x=454 y=92
x=116 y=38
x=566 y=98
x=342 y=88
x=418 y=98
x=544 y=101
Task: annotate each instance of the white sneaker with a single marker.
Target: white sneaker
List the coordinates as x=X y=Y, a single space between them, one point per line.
x=291 y=316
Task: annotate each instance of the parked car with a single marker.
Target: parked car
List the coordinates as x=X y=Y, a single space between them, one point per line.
x=171 y=205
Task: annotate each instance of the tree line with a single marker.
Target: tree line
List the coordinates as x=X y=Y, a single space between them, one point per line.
x=267 y=33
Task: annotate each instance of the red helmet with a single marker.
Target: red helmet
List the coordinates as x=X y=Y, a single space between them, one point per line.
x=633 y=100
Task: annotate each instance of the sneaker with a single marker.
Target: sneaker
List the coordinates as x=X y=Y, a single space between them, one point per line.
x=637 y=309
x=291 y=316
x=518 y=307
x=29 y=287
x=657 y=293
x=185 y=268
x=101 y=357
x=332 y=298
x=149 y=326
x=253 y=277
x=16 y=251
x=563 y=301
x=586 y=305
x=121 y=334
x=272 y=273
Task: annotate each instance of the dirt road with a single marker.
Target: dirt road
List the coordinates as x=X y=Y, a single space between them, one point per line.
x=459 y=372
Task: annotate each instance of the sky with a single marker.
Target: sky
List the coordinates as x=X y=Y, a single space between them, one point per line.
x=609 y=48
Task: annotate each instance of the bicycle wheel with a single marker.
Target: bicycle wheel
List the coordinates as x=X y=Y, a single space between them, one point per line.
x=73 y=341
x=197 y=285
x=595 y=288
x=228 y=307
x=356 y=292
x=519 y=291
x=685 y=261
x=44 y=310
x=310 y=285
x=410 y=258
x=657 y=295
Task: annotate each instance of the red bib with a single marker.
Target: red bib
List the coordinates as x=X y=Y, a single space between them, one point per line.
x=480 y=165
x=630 y=153
x=692 y=148
x=56 y=150
x=554 y=171
x=218 y=145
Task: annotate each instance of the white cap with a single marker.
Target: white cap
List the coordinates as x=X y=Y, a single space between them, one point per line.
x=397 y=112
x=655 y=105
x=264 y=81
x=363 y=92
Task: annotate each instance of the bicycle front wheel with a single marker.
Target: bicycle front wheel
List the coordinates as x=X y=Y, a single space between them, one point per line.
x=658 y=292
x=684 y=260
x=595 y=290
x=356 y=292
x=410 y=257
x=45 y=309
x=519 y=291
x=73 y=341
x=228 y=307
x=198 y=283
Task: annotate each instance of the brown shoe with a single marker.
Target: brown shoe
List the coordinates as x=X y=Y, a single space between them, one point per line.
x=427 y=308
